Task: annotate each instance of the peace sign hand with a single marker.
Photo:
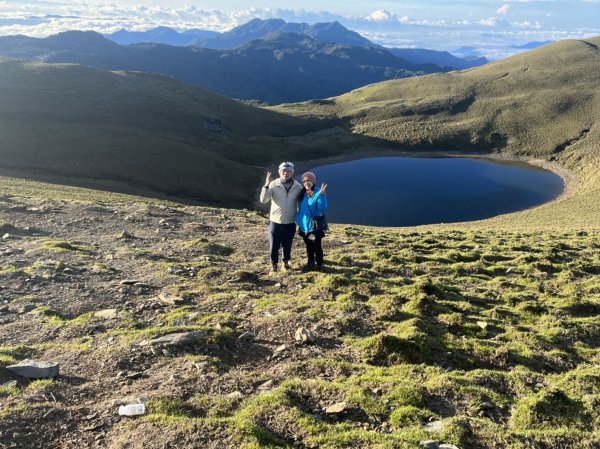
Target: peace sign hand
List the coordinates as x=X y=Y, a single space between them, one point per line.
x=323 y=189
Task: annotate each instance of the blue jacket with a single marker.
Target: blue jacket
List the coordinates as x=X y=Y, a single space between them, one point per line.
x=309 y=207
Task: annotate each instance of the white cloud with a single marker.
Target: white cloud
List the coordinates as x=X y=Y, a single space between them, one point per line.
x=492 y=21
x=380 y=15
x=503 y=9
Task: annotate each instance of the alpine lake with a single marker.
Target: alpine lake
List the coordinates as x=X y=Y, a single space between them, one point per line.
x=411 y=191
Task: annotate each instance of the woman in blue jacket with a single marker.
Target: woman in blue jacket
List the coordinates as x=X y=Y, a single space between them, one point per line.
x=313 y=203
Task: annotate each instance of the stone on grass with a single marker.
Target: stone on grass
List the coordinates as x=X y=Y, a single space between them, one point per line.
x=434 y=426
x=106 y=314
x=179 y=338
x=304 y=335
x=237 y=395
x=486 y=406
x=429 y=444
x=448 y=446
x=32 y=369
x=483 y=324
x=169 y=299
x=336 y=408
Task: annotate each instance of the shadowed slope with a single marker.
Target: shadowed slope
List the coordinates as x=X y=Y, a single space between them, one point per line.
x=145 y=130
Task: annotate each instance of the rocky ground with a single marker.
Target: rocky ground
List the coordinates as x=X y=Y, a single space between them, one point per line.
x=473 y=339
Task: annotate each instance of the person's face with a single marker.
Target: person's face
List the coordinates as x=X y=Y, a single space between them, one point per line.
x=307 y=183
x=286 y=174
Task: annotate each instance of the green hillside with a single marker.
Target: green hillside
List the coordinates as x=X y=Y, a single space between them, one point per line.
x=540 y=104
x=138 y=132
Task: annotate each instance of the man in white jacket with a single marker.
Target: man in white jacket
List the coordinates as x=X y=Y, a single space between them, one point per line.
x=284 y=193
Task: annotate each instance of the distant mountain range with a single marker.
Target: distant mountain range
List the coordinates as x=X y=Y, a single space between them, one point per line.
x=258 y=29
x=281 y=67
x=160 y=35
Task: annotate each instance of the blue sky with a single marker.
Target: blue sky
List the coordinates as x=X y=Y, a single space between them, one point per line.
x=487 y=27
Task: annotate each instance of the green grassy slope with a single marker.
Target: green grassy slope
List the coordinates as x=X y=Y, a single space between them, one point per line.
x=143 y=130
x=539 y=104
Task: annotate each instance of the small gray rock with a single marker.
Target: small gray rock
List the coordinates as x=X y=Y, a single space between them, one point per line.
x=31 y=369
x=176 y=339
x=247 y=337
x=434 y=426
x=429 y=444
x=486 y=406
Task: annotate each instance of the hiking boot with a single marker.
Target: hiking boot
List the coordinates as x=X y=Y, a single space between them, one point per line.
x=310 y=266
x=273 y=269
x=286 y=266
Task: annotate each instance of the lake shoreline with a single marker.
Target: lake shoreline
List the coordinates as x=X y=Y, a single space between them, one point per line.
x=570 y=183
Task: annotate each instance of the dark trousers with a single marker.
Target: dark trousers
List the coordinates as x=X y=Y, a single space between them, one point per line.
x=281 y=235
x=314 y=250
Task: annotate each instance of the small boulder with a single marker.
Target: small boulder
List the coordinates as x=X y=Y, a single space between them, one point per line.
x=236 y=395
x=429 y=444
x=434 y=426
x=106 y=314
x=483 y=324
x=303 y=335
x=177 y=339
x=32 y=369
x=247 y=337
x=169 y=299
x=336 y=408
x=486 y=406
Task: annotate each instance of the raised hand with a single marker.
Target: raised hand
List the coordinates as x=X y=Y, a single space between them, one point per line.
x=269 y=179
x=323 y=189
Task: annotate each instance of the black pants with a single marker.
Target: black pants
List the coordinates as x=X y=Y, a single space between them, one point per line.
x=281 y=235
x=314 y=249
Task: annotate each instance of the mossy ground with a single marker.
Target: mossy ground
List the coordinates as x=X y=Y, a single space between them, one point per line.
x=493 y=333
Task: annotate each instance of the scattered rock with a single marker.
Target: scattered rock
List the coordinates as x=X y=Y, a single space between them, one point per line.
x=429 y=444
x=486 y=406
x=106 y=314
x=336 y=408
x=169 y=299
x=247 y=337
x=130 y=282
x=237 y=395
x=131 y=400
x=125 y=235
x=434 y=426
x=448 y=446
x=280 y=348
x=483 y=324
x=176 y=339
x=304 y=335
x=32 y=369
x=266 y=386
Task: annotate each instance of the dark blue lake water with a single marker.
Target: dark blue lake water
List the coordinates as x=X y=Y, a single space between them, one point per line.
x=404 y=191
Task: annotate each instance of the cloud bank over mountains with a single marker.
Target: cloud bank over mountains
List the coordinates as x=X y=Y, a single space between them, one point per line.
x=492 y=35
